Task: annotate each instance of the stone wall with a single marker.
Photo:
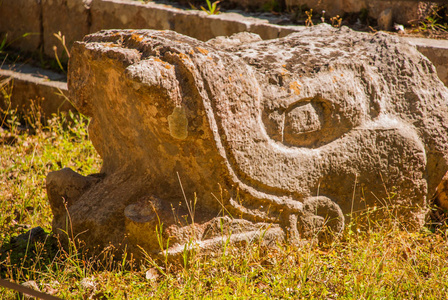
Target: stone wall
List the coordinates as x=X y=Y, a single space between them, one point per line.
x=402 y=11
x=76 y=18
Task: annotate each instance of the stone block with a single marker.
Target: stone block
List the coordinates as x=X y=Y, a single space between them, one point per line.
x=31 y=86
x=194 y=24
x=402 y=11
x=118 y=14
x=227 y=24
x=385 y=19
x=287 y=30
x=436 y=51
x=202 y=26
x=265 y=30
x=294 y=134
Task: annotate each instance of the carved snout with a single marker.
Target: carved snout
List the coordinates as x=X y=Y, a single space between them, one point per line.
x=322 y=218
x=64 y=188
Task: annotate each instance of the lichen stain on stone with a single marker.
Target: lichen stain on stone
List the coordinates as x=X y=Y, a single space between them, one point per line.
x=295 y=87
x=202 y=50
x=136 y=38
x=178 y=123
x=185 y=57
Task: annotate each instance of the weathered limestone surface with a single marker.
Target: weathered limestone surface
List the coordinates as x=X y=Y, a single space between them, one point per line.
x=247 y=138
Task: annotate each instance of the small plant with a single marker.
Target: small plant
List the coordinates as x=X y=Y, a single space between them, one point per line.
x=434 y=22
x=61 y=39
x=5 y=43
x=364 y=15
x=336 y=21
x=309 y=21
x=8 y=115
x=322 y=18
x=213 y=8
x=8 y=55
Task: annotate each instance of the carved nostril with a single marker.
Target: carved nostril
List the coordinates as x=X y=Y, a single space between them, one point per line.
x=302 y=119
x=322 y=218
x=65 y=187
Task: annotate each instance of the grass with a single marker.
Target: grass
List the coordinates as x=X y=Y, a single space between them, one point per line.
x=383 y=262
x=435 y=21
x=213 y=8
x=9 y=55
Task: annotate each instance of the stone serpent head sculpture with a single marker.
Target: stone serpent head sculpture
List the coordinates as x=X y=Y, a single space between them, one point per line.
x=244 y=138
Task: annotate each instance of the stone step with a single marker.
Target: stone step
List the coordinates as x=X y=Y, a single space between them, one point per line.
x=33 y=87
x=436 y=51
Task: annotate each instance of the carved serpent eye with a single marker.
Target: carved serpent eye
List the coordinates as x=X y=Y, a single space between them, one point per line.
x=310 y=122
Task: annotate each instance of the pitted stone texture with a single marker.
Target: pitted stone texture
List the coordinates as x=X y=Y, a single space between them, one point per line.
x=296 y=132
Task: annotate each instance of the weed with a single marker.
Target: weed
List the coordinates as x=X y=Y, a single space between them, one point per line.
x=9 y=56
x=6 y=111
x=61 y=39
x=364 y=15
x=336 y=21
x=432 y=22
x=309 y=15
x=5 y=43
x=304 y=16
x=435 y=21
x=213 y=8
x=322 y=18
